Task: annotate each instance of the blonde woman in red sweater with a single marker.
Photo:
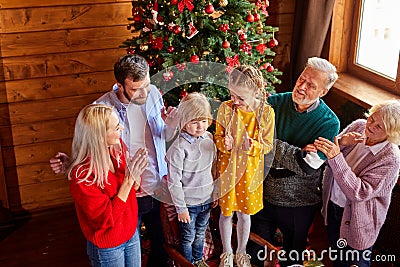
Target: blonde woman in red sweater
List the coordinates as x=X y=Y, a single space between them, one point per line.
x=104 y=189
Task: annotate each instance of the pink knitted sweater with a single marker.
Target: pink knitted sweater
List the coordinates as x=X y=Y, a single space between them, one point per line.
x=367 y=189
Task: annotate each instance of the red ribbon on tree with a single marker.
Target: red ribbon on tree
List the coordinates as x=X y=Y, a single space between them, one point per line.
x=185 y=3
x=261 y=48
x=233 y=61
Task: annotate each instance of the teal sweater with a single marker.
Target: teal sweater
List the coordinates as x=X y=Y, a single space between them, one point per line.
x=301 y=129
x=294 y=131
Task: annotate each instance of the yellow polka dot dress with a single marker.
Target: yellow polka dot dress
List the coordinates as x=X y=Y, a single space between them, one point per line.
x=241 y=172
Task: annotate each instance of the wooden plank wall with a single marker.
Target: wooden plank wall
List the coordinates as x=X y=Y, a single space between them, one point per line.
x=282 y=15
x=55 y=57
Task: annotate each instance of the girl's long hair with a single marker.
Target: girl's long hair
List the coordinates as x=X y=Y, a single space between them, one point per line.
x=250 y=77
x=90 y=154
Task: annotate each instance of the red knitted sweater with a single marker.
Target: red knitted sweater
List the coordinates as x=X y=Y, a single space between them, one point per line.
x=105 y=219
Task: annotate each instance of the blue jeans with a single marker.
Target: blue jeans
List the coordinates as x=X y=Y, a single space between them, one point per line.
x=128 y=254
x=192 y=234
x=335 y=214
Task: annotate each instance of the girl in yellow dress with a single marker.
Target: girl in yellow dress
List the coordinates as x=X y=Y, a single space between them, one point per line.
x=244 y=133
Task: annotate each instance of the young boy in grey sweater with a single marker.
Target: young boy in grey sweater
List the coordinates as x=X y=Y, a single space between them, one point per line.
x=190 y=161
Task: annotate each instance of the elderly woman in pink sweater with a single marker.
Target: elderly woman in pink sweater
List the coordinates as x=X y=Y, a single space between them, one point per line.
x=362 y=168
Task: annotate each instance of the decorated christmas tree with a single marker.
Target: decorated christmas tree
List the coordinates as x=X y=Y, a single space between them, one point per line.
x=169 y=33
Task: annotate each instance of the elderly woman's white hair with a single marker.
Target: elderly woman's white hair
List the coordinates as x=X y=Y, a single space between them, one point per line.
x=390 y=111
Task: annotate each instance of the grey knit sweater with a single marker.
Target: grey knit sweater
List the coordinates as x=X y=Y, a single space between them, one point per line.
x=190 y=163
x=297 y=190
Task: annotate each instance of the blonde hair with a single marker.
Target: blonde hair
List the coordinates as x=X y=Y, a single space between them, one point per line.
x=252 y=78
x=390 y=111
x=247 y=76
x=89 y=146
x=194 y=106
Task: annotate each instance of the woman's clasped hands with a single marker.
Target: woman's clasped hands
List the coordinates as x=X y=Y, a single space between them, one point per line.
x=135 y=167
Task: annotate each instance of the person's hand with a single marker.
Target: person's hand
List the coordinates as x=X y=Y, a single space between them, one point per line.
x=247 y=142
x=184 y=217
x=310 y=148
x=351 y=138
x=228 y=141
x=135 y=166
x=215 y=203
x=59 y=163
x=170 y=116
x=330 y=149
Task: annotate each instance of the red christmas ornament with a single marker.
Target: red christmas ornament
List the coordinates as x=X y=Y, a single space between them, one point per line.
x=157 y=43
x=181 y=66
x=174 y=2
x=250 y=18
x=177 y=29
x=170 y=49
x=243 y=37
x=194 y=59
x=138 y=18
x=270 y=68
x=256 y=17
x=272 y=43
x=224 y=27
x=209 y=8
x=183 y=94
x=152 y=63
x=130 y=51
x=246 y=47
x=168 y=75
x=226 y=44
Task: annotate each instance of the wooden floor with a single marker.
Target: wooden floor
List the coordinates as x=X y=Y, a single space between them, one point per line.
x=53 y=238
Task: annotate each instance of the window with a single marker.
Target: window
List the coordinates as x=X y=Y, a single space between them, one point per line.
x=365 y=41
x=375 y=42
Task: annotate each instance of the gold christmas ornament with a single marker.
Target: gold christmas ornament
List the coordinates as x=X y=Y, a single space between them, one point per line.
x=216 y=14
x=223 y=3
x=144 y=47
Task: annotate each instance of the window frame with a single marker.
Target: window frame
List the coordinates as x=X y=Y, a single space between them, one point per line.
x=343 y=45
x=358 y=70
